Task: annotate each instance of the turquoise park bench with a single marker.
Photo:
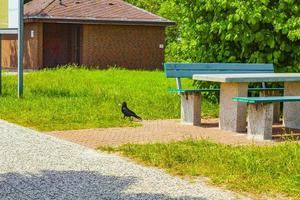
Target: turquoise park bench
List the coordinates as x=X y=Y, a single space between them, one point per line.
x=260 y=114
x=190 y=114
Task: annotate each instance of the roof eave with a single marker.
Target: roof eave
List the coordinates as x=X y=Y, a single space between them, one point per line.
x=98 y=21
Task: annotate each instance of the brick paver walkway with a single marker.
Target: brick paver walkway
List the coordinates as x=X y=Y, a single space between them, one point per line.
x=153 y=131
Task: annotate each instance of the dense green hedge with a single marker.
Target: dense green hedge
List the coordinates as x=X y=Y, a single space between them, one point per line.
x=257 y=31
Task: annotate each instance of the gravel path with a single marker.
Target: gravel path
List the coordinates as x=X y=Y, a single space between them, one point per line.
x=37 y=166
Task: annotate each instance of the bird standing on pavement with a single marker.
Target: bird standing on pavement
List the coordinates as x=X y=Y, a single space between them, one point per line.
x=129 y=113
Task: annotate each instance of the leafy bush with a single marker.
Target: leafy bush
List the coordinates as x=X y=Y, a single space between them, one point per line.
x=232 y=31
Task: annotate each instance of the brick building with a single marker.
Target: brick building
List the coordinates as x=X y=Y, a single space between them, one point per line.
x=96 y=33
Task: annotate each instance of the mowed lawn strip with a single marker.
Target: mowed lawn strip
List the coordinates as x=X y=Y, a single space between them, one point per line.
x=77 y=98
x=269 y=169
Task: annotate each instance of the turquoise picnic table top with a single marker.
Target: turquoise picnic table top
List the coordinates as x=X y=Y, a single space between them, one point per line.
x=270 y=99
x=248 y=78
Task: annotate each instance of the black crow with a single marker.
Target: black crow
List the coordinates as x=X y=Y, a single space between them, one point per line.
x=129 y=113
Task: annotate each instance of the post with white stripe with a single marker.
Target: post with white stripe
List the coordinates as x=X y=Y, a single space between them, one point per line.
x=0 y=65
x=20 y=48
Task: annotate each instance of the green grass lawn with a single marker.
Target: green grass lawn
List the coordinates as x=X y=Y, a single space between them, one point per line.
x=70 y=98
x=270 y=170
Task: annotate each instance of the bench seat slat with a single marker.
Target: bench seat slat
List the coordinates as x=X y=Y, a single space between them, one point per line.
x=270 y=99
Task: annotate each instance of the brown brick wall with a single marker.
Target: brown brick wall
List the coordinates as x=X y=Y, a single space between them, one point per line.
x=136 y=47
x=33 y=54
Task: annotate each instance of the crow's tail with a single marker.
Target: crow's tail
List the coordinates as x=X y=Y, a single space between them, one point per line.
x=138 y=117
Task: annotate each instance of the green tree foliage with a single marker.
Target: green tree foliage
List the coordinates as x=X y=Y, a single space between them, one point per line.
x=254 y=31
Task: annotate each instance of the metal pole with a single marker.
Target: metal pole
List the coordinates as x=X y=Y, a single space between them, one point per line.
x=0 y=65
x=20 y=48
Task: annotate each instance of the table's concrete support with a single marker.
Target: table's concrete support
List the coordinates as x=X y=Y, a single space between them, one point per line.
x=276 y=109
x=233 y=114
x=260 y=120
x=291 y=110
x=191 y=108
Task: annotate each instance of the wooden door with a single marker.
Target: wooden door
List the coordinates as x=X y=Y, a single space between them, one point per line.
x=57 y=44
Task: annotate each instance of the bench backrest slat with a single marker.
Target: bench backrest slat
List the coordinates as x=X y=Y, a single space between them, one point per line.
x=185 y=70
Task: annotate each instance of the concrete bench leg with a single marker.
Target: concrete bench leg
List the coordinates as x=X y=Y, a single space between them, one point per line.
x=233 y=114
x=260 y=120
x=191 y=108
x=291 y=110
x=276 y=109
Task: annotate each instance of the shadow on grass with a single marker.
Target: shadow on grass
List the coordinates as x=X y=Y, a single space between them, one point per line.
x=72 y=185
